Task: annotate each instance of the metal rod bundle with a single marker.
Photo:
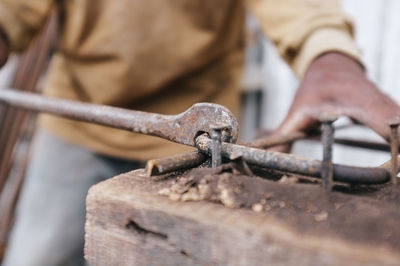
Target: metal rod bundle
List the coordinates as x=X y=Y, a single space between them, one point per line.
x=194 y=118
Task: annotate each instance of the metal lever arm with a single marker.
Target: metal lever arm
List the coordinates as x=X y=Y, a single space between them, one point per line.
x=182 y=128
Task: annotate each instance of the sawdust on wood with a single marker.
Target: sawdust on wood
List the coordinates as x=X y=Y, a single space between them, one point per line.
x=361 y=214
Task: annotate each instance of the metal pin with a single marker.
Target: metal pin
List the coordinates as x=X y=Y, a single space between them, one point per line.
x=394 y=148
x=216 y=158
x=327 y=142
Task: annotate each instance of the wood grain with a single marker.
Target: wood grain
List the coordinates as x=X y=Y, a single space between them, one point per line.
x=128 y=223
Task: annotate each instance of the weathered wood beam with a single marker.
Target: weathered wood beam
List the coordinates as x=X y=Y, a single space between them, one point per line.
x=128 y=223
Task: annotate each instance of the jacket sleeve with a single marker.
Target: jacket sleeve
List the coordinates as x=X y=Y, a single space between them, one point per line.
x=304 y=29
x=20 y=20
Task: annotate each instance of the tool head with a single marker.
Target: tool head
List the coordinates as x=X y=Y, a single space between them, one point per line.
x=203 y=118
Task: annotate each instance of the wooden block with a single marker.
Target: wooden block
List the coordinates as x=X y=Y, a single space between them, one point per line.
x=128 y=223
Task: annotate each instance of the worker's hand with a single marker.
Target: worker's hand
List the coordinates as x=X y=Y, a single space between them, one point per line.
x=4 y=50
x=336 y=84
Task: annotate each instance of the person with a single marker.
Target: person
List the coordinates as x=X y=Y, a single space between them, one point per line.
x=162 y=56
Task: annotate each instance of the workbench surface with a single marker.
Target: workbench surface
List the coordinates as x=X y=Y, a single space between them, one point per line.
x=129 y=223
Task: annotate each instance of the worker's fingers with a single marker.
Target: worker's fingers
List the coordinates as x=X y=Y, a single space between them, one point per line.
x=336 y=85
x=305 y=118
x=376 y=116
x=302 y=119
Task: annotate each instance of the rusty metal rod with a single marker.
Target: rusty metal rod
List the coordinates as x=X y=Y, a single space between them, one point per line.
x=296 y=164
x=328 y=130
x=395 y=160
x=181 y=128
x=271 y=141
x=30 y=67
x=143 y=122
x=292 y=137
x=366 y=144
x=192 y=159
x=175 y=163
x=275 y=140
x=216 y=158
x=394 y=148
x=86 y=112
x=195 y=160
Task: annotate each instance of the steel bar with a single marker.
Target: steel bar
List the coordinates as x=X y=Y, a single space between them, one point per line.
x=284 y=139
x=366 y=144
x=275 y=140
x=394 y=148
x=182 y=128
x=167 y=128
x=30 y=67
x=296 y=164
x=394 y=151
x=175 y=163
x=8 y=203
x=193 y=159
x=272 y=141
x=14 y=129
x=216 y=159
x=327 y=143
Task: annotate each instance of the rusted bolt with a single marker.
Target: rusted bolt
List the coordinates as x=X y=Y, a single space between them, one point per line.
x=327 y=142
x=216 y=136
x=394 y=147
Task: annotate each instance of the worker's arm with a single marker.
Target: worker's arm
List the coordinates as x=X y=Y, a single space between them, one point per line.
x=20 y=21
x=304 y=29
x=315 y=39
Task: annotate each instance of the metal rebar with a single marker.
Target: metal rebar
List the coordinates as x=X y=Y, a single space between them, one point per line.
x=271 y=141
x=181 y=128
x=164 y=165
x=174 y=163
x=394 y=148
x=276 y=140
x=365 y=144
x=193 y=159
x=296 y=164
x=216 y=136
x=394 y=153
x=327 y=144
